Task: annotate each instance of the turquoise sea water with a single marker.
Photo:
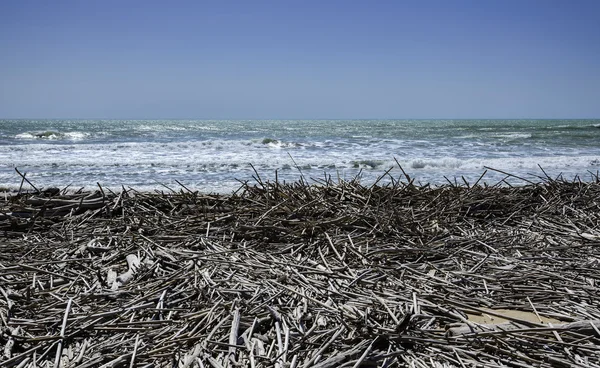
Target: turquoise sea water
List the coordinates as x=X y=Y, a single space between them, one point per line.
x=212 y=155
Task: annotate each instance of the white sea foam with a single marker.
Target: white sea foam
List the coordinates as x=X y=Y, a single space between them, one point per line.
x=76 y=135
x=53 y=135
x=272 y=153
x=209 y=155
x=25 y=135
x=514 y=135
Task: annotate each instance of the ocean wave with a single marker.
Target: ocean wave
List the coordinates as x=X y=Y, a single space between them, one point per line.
x=370 y=164
x=275 y=153
x=573 y=127
x=76 y=135
x=513 y=136
x=432 y=163
x=146 y=169
x=275 y=143
x=57 y=154
x=53 y=135
x=48 y=134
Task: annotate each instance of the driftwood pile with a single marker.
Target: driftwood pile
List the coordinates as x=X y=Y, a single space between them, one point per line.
x=298 y=275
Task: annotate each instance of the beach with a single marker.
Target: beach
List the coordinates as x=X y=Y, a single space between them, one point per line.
x=271 y=184
x=322 y=274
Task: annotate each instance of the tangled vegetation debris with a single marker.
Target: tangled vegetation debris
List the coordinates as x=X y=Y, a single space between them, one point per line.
x=298 y=275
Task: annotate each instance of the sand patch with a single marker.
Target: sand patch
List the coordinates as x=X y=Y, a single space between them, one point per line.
x=486 y=318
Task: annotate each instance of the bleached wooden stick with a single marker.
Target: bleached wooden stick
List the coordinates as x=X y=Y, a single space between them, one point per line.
x=59 y=348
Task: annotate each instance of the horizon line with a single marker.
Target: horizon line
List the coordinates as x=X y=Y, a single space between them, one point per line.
x=293 y=119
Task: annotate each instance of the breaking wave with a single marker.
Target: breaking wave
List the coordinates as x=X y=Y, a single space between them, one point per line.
x=214 y=154
x=53 y=135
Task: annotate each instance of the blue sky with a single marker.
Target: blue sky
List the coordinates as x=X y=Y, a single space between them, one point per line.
x=300 y=59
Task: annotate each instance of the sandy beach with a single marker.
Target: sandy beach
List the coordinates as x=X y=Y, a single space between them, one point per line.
x=297 y=275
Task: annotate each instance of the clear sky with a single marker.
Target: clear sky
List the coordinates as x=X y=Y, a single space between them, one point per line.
x=300 y=59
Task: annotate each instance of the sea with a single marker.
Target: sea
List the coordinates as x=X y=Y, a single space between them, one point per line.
x=217 y=156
